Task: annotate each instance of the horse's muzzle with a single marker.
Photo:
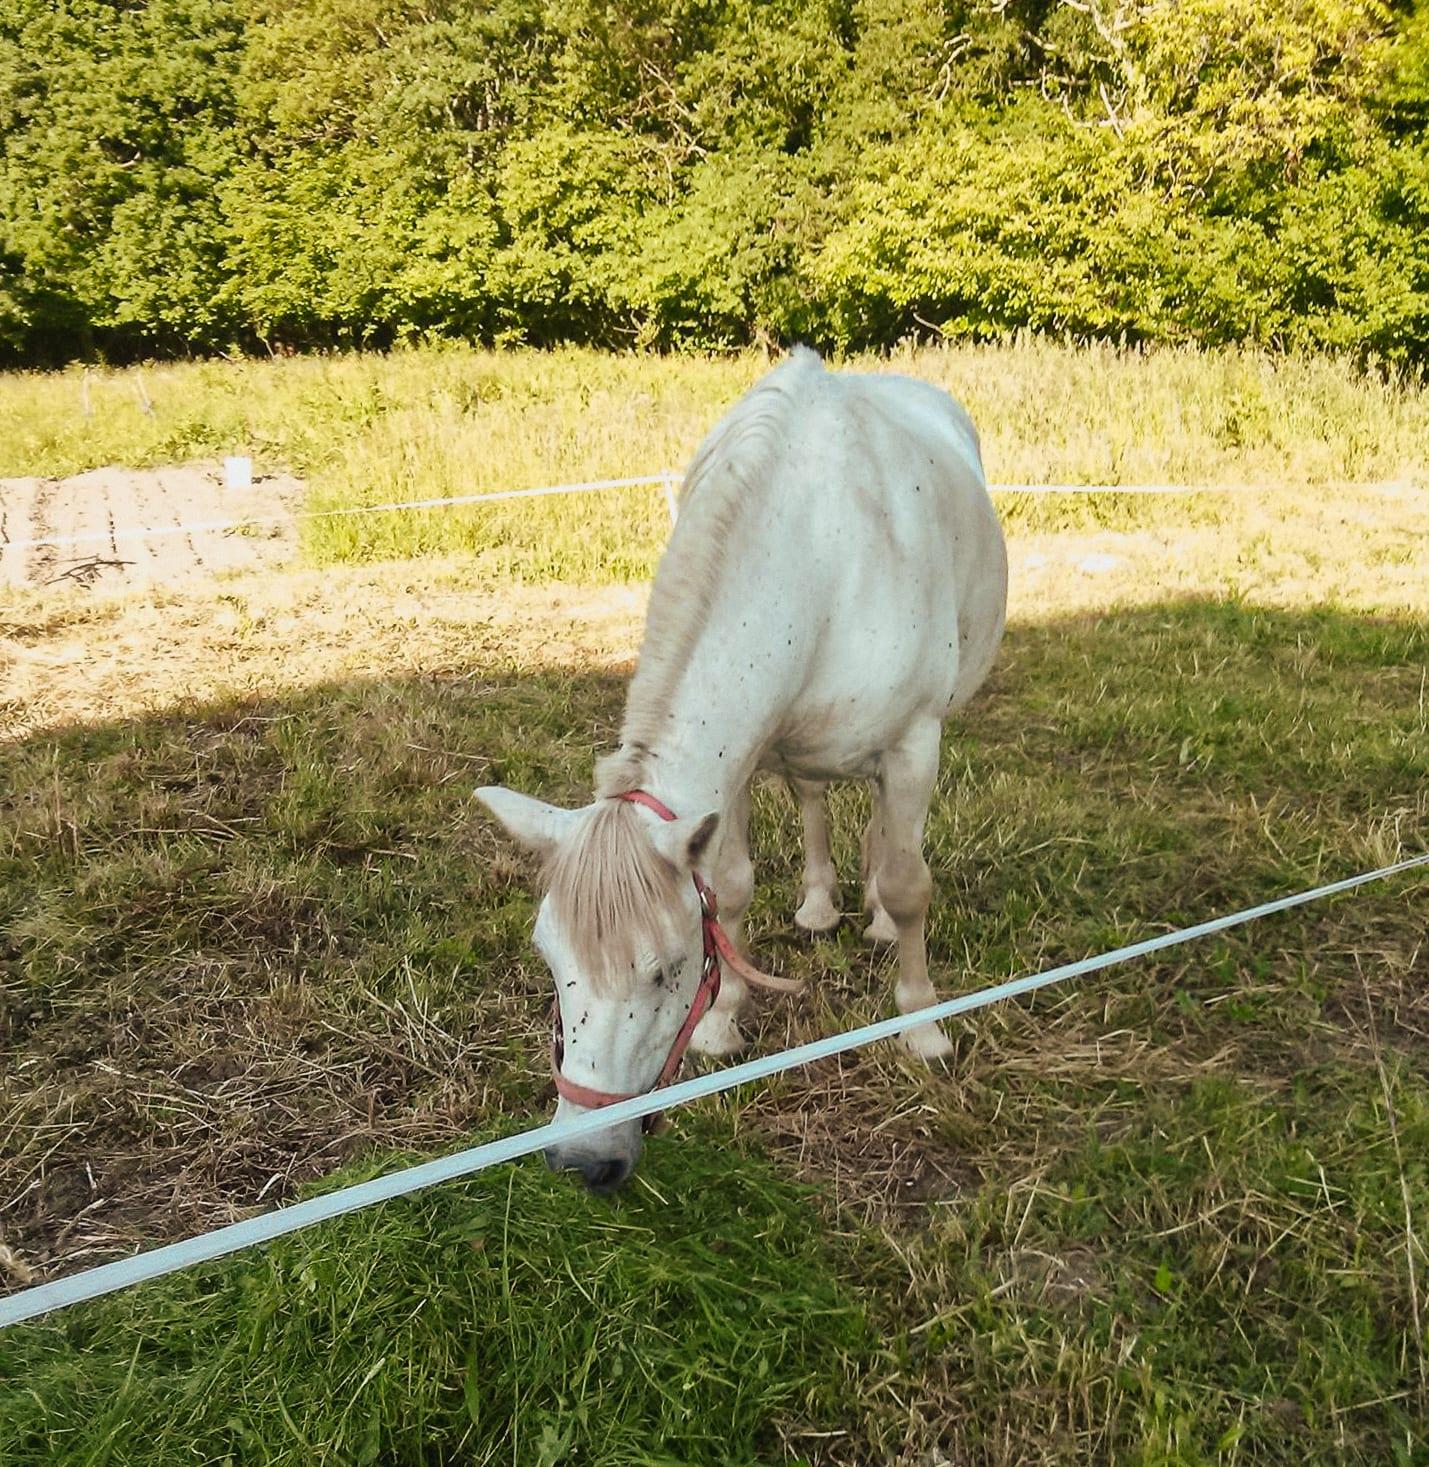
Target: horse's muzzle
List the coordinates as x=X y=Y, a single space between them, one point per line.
x=602 y=1174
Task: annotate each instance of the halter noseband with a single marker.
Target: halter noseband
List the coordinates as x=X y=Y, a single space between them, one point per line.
x=717 y=946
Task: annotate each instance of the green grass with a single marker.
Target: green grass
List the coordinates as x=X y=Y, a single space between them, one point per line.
x=1160 y=1216
x=1214 y=1268
x=369 y=429
x=502 y=1320
x=1192 y=1205
x=253 y=933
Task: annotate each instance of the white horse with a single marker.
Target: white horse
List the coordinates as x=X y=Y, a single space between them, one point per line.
x=835 y=585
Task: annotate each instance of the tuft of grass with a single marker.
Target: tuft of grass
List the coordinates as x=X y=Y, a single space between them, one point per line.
x=509 y=1318
x=447 y=420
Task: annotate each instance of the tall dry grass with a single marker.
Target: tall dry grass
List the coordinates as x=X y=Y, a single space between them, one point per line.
x=450 y=420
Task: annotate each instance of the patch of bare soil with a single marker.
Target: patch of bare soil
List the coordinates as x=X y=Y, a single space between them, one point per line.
x=116 y=528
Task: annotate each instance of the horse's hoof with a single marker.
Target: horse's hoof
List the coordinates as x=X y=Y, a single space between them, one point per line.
x=881 y=930
x=717 y=1035
x=818 y=914
x=926 y=1042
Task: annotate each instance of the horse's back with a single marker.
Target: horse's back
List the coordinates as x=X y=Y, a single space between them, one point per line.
x=892 y=576
x=910 y=462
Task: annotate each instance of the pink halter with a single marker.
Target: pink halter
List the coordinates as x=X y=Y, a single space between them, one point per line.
x=717 y=946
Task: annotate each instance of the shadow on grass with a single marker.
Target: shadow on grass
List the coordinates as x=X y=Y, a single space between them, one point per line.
x=244 y=943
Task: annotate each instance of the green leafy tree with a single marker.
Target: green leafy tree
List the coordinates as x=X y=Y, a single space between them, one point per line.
x=118 y=129
x=195 y=174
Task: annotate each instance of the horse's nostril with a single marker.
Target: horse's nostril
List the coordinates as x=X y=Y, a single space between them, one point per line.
x=605 y=1176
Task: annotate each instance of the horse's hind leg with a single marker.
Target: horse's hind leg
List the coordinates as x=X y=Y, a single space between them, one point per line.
x=906 y=779
x=880 y=927
x=819 y=911
x=732 y=874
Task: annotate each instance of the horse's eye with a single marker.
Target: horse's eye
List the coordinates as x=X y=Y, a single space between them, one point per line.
x=673 y=973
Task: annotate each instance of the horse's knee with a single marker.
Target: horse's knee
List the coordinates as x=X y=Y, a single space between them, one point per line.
x=718 y=1034
x=905 y=885
x=735 y=884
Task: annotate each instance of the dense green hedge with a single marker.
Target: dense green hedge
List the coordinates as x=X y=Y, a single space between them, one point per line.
x=202 y=174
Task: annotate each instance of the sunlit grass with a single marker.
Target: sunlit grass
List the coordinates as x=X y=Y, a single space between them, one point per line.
x=420 y=423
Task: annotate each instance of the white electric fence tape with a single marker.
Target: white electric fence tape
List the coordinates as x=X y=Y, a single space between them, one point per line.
x=248 y=522
x=668 y=480
x=207 y=1246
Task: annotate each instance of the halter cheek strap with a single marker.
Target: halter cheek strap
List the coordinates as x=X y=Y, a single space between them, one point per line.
x=717 y=945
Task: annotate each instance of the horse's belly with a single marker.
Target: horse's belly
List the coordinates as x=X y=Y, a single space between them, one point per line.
x=820 y=752
x=843 y=721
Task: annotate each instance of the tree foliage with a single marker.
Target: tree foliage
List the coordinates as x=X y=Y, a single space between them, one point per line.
x=183 y=175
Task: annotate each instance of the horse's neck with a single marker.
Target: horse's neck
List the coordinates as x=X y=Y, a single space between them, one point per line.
x=713 y=735
x=703 y=726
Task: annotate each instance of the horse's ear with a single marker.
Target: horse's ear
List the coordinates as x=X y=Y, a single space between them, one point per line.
x=683 y=843
x=529 y=822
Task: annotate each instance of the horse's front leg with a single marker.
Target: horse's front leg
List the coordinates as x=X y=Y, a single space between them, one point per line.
x=732 y=876
x=819 y=911
x=905 y=885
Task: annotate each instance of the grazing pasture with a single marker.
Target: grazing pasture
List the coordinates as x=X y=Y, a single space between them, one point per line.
x=255 y=937
x=366 y=429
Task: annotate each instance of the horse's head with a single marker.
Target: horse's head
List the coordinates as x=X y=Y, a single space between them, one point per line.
x=620 y=927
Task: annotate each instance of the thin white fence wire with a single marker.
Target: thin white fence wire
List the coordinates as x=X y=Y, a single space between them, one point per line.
x=110 y=1277
x=201 y=527
x=667 y=479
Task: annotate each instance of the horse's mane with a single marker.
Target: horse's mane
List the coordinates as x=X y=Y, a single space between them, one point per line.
x=615 y=894
x=729 y=469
